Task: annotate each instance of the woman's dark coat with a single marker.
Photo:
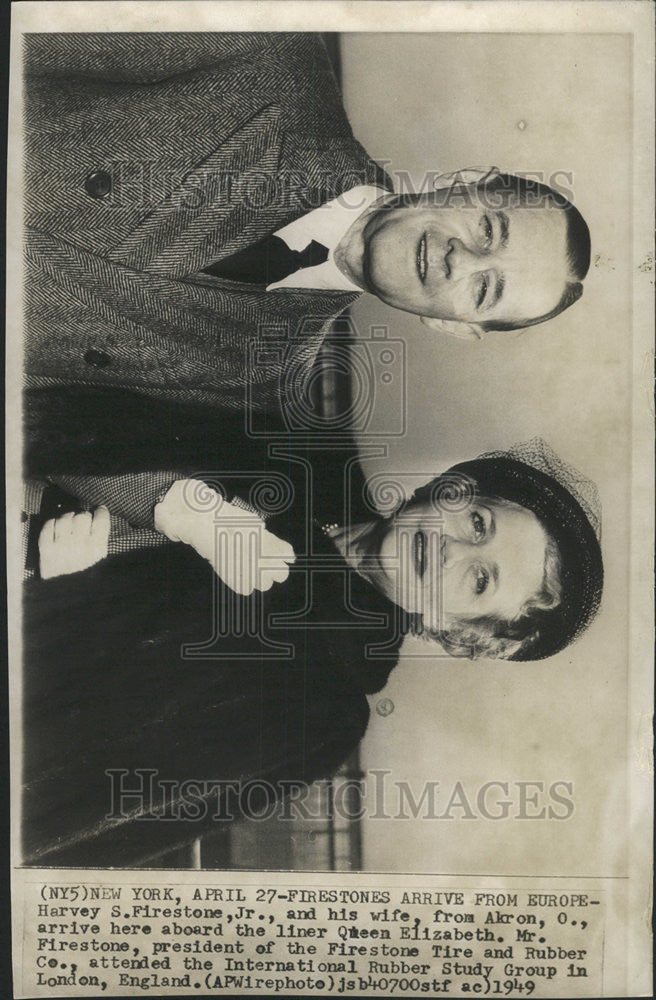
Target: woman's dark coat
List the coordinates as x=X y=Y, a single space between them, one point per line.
x=106 y=685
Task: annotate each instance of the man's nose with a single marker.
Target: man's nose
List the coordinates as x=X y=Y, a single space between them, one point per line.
x=460 y=260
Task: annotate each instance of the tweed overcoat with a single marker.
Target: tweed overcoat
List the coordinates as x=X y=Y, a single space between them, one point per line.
x=149 y=157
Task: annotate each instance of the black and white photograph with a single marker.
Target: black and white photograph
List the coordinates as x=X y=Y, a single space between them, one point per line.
x=329 y=498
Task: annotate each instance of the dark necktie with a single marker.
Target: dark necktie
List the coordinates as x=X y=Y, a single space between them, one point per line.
x=267 y=261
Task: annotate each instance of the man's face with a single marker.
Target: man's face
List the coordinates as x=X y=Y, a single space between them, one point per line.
x=486 y=560
x=472 y=258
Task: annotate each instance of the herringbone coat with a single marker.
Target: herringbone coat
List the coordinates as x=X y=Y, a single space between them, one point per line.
x=149 y=157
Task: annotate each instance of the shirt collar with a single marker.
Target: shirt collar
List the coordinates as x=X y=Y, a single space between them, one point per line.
x=326 y=224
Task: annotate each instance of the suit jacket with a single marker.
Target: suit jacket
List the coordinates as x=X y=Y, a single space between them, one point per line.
x=149 y=157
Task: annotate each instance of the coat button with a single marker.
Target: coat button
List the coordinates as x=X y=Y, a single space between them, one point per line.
x=98 y=184
x=97 y=359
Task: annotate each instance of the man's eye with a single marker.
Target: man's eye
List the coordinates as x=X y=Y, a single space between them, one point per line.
x=487 y=231
x=482 y=292
x=482 y=580
x=478 y=525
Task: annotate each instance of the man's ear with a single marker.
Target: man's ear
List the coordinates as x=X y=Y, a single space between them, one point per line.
x=454 y=327
x=465 y=177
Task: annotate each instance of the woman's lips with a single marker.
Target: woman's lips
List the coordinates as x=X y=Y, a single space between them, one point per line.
x=421 y=541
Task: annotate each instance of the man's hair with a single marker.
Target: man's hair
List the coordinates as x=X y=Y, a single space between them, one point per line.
x=529 y=192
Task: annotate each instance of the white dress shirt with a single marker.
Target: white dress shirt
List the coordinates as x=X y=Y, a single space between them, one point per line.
x=326 y=224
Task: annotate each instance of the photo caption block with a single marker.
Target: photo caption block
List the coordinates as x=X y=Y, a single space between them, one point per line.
x=107 y=933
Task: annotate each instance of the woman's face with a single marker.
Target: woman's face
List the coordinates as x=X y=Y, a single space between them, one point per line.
x=487 y=559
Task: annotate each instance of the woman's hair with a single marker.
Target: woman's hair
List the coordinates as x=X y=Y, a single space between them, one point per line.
x=501 y=638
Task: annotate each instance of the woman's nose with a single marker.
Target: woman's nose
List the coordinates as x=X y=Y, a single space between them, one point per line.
x=453 y=551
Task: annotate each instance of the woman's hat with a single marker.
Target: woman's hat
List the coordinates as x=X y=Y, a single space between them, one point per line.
x=567 y=505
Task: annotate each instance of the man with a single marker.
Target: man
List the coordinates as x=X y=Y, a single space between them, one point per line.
x=194 y=198
x=158 y=164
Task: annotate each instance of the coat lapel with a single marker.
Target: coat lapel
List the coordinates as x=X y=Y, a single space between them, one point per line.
x=260 y=178
x=215 y=204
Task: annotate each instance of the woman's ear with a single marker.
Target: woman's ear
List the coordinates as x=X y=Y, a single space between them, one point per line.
x=454 y=327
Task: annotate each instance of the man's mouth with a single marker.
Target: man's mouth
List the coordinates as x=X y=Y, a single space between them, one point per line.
x=422 y=258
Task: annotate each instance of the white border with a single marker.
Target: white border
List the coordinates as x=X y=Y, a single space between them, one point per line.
x=588 y=16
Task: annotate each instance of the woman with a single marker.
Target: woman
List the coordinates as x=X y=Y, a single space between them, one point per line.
x=147 y=661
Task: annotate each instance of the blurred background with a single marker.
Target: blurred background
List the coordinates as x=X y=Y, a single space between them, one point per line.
x=523 y=103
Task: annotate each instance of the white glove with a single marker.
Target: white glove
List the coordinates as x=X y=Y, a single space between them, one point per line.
x=235 y=542
x=73 y=542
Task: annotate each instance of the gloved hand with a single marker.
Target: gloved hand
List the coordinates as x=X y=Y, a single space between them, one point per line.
x=73 y=542
x=236 y=542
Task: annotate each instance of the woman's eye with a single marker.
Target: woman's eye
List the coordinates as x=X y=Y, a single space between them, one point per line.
x=478 y=525
x=486 y=230
x=482 y=580
x=482 y=292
